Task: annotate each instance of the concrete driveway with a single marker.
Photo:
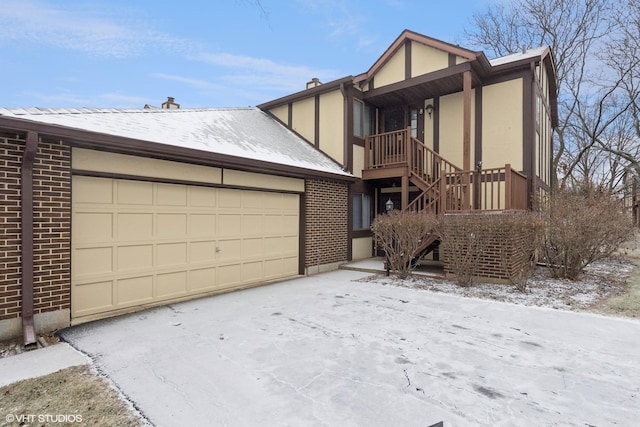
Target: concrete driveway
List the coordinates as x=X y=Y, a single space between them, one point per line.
x=325 y=350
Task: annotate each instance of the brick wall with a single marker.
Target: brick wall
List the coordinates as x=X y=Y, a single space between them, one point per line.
x=52 y=227
x=506 y=243
x=327 y=220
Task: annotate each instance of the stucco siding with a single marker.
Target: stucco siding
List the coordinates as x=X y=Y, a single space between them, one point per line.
x=451 y=124
x=502 y=105
x=392 y=71
x=425 y=59
x=303 y=118
x=361 y=248
x=332 y=125
x=281 y=113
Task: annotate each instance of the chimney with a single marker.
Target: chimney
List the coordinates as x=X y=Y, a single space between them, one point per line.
x=170 y=104
x=313 y=83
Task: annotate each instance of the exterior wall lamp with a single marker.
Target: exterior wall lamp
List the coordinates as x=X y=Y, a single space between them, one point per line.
x=429 y=109
x=389 y=205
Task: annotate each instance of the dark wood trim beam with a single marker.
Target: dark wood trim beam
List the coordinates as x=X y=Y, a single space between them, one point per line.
x=452 y=59
x=436 y=124
x=407 y=60
x=316 y=122
x=477 y=153
x=424 y=78
x=466 y=120
x=318 y=90
x=528 y=129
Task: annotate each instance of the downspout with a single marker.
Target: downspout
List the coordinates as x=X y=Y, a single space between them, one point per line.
x=26 y=189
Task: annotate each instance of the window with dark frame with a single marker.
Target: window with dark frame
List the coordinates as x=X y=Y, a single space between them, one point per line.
x=362 y=119
x=361 y=211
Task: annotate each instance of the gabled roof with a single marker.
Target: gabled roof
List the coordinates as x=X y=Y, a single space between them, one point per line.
x=420 y=38
x=244 y=133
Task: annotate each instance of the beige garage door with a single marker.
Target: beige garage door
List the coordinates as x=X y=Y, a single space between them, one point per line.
x=136 y=243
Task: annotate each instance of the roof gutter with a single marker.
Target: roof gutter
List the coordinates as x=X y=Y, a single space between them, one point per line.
x=26 y=189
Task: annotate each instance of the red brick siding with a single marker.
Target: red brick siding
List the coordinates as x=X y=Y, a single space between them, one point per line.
x=505 y=249
x=327 y=221
x=52 y=227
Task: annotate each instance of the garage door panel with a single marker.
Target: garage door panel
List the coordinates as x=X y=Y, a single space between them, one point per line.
x=229 y=198
x=204 y=251
x=252 y=271
x=252 y=225
x=171 y=284
x=202 y=197
x=171 y=195
x=229 y=275
x=93 y=190
x=252 y=248
x=135 y=226
x=92 y=227
x=202 y=279
x=135 y=257
x=273 y=224
x=134 y=192
x=229 y=250
x=134 y=290
x=229 y=225
x=202 y=225
x=139 y=243
x=93 y=297
x=89 y=261
x=252 y=200
x=171 y=254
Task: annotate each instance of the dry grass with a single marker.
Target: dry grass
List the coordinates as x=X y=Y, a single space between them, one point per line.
x=76 y=395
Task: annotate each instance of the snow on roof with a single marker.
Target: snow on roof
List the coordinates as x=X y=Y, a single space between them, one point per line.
x=514 y=57
x=241 y=132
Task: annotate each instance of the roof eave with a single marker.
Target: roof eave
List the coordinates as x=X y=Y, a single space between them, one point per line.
x=317 y=90
x=107 y=142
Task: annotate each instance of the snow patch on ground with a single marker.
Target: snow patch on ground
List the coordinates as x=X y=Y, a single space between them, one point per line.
x=600 y=280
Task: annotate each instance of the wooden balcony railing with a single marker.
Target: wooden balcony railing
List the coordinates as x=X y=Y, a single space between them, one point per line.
x=445 y=187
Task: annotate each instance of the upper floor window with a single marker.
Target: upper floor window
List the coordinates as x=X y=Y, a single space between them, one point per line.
x=362 y=119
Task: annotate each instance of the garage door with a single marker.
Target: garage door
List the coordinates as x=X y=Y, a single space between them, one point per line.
x=137 y=243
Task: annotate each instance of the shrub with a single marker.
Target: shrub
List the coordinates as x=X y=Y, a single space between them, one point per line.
x=401 y=235
x=583 y=226
x=519 y=256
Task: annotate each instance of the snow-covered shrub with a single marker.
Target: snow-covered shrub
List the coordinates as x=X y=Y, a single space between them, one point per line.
x=583 y=226
x=401 y=235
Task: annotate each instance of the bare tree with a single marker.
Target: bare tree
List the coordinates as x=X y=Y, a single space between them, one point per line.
x=595 y=45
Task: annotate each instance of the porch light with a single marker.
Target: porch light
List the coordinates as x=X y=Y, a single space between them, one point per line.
x=389 y=205
x=429 y=109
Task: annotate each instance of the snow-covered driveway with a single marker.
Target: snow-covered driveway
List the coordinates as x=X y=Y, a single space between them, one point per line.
x=325 y=350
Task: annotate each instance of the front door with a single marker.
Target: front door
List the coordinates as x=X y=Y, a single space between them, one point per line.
x=394 y=119
x=400 y=118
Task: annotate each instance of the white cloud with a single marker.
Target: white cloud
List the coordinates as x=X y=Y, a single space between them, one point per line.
x=76 y=29
x=189 y=81
x=265 y=73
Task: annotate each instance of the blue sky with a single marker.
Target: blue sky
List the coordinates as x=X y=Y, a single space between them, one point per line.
x=123 y=53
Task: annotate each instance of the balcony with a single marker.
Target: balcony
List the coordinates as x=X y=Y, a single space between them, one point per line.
x=444 y=186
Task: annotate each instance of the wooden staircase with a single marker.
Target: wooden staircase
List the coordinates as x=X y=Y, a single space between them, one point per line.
x=444 y=187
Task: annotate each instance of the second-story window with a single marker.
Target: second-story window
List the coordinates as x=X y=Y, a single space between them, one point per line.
x=362 y=119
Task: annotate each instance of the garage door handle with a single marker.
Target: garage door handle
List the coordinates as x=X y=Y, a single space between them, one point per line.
x=218 y=249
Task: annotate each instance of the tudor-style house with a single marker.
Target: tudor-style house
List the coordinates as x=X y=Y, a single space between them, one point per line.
x=433 y=126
